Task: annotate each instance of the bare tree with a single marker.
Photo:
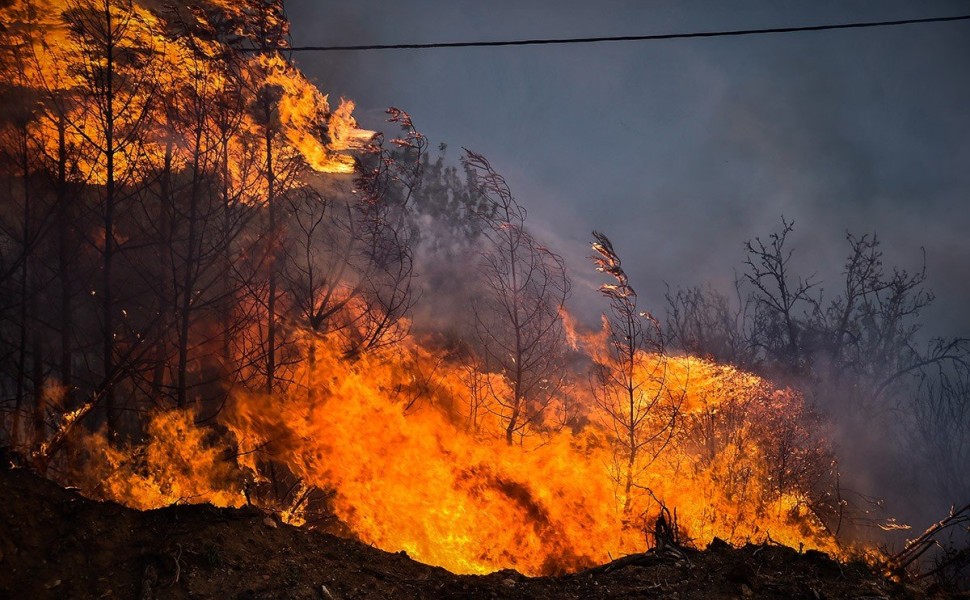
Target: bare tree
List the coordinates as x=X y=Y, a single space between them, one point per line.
x=519 y=322
x=113 y=54
x=270 y=31
x=778 y=298
x=869 y=334
x=196 y=96
x=630 y=376
x=706 y=322
x=20 y=225
x=941 y=428
x=348 y=268
x=858 y=355
x=63 y=159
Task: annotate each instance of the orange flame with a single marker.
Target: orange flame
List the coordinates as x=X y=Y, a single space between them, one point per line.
x=42 y=53
x=407 y=474
x=304 y=112
x=414 y=457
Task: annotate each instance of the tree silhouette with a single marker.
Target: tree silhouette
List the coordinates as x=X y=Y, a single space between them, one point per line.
x=630 y=376
x=518 y=322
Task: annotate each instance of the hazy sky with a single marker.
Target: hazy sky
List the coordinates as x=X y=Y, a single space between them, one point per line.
x=681 y=150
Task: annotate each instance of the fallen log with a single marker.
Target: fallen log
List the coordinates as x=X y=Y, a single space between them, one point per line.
x=641 y=559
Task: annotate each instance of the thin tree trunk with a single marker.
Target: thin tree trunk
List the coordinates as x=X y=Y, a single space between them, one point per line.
x=188 y=282
x=65 y=268
x=37 y=382
x=631 y=356
x=107 y=282
x=272 y=240
x=26 y=232
x=517 y=399
x=33 y=301
x=228 y=297
x=166 y=298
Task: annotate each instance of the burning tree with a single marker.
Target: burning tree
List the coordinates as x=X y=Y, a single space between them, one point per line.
x=143 y=165
x=518 y=323
x=349 y=263
x=858 y=354
x=114 y=54
x=272 y=32
x=189 y=204
x=630 y=374
x=19 y=224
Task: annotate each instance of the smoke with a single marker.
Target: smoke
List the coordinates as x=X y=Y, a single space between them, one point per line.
x=681 y=152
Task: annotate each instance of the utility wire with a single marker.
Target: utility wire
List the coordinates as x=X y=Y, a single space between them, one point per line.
x=625 y=38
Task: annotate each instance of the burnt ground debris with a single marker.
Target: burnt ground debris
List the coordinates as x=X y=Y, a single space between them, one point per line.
x=54 y=543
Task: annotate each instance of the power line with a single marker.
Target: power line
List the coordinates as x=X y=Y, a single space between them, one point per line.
x=625 y=38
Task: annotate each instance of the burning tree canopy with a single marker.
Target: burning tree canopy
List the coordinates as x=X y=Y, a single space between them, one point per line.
x=208 y=280
x=173 y=139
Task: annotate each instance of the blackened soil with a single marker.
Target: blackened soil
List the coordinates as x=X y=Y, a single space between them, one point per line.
x=56 y=544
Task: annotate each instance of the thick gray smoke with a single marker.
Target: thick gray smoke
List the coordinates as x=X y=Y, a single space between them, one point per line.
x=681 y=151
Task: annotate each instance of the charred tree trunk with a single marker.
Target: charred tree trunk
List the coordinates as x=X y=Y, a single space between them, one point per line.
x=107 y=279
x=165 y=295
x=517 y=374
x=631 y=424
x=37 y=379
x=272 y=250
x=65 y=267
x=25 y=285
x=189 y=276
x=228 y=303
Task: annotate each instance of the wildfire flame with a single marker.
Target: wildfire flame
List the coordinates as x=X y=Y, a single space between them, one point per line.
x=421 y=481
x=52 y=63
x=407 y=454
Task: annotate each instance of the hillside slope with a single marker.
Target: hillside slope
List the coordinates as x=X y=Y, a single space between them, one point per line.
x=57 y=544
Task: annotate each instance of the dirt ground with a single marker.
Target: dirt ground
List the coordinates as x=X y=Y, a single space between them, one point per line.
x=56 y=544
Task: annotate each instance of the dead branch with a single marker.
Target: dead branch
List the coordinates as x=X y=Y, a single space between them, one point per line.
x=899 y=562
x=641 y=559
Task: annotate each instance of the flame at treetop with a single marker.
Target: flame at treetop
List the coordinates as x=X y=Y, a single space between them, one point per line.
x=388 y=437
x=169 y=67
